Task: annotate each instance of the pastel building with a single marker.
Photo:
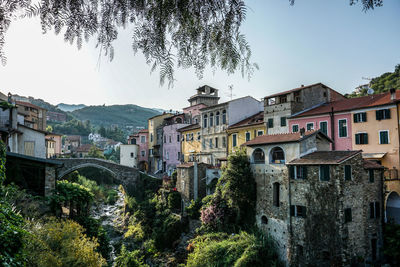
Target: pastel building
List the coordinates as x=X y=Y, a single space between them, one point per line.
x=205 y=96
x=129 y=155
x=141 y=139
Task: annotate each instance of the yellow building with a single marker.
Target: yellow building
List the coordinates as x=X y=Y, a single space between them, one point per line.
x=245 y=130
x=155 y=140
x=190 y=142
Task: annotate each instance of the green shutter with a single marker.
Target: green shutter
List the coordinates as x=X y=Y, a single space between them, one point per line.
x=347 y=172
x=365 y=138
x=291 y=172
x=387 y=113
x=371 y=176
x=378 y=115
x=355 y=117
x=364 y=116
x=358 y=139
x=304 y=172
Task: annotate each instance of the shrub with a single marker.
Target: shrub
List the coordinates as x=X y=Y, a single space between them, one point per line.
x=392 y=242
x=61 y=243
x=131 y=259
x=167 y=230
x=112 y=196
x=239 y=250
x=193 y=210
x=174 y=200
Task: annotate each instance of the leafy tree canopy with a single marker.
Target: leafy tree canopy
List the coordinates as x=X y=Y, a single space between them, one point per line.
x=170 y=33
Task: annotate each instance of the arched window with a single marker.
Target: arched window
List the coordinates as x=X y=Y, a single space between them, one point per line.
x=264 y=219
x=205 y=121
x=217 y=118
x=258 y=156
x=224 y=117
x=178 y=120
x=211 y=119
x=277 y=155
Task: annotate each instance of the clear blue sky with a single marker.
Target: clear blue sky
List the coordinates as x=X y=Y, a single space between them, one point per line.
x=313 y=41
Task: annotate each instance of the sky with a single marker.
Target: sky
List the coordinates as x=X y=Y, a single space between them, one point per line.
x=312 y=41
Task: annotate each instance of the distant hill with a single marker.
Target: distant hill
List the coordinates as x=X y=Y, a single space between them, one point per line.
x=38 y=102
x=70 y=107
x=121 y=115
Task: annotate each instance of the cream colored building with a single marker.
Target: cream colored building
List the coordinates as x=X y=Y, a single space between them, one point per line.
x=129 y=155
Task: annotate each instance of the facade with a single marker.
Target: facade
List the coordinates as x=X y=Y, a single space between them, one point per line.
x=190 y=143
x=50 y=148
x=56 y=116
x=245 y=130
x=71 y=143
x=279 y=107
x=172 y=146
x=129 y=155
x=194 y=112
x=83 y=150
x=34 y=116
x=141 y=139
x=322 y=207
x=191 y=181
x=29 y=142
x=215 y=121
x=205 y=95
x=154 y=152
x=57 y=139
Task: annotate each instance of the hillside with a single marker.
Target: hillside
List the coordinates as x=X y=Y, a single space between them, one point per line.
x=38 y=102
x=70 y=107
x=121 y=115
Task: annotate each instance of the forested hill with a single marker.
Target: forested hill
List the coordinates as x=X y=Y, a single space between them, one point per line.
x=121 y=115
x=382 y=83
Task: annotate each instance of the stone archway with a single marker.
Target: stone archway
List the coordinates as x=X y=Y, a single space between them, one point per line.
x=84 y=165
x=393 y=208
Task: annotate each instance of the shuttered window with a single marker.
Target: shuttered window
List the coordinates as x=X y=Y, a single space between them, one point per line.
x=29 y=147
x=324 y=174
x=361 y=138
x=347 y=215
x=343 y=128
x=383 y=114
x=360 y=117
x=347 y=172
x=323 y=126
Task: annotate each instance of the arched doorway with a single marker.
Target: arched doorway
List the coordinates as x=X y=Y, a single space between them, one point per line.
x=393 y=208
x=143 y=166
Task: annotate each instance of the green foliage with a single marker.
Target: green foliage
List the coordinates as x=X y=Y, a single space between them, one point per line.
x=5 y=105
x=239 y=250
x=131 y=259
x=49 y=129
x=193 y=210
x=392 y=242
x=73 y=127
x=174 y=200
x=167 y=229
x=174 y=177
x=95 y=152
x=101 y=193
x=232 y=206
x=60 y=243
x=2 y=163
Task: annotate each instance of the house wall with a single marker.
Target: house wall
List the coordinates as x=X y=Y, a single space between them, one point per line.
x=241 y=135
x=172 y=146
x=194 y=112
x=372 y=127
x=242 y=108
x=29 y=135
x=190 y=148
x=341 y=143
x=143 y=146
x=58 y=144
x=129 y=155
x=185 y=182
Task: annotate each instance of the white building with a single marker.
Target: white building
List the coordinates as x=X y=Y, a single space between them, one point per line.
x=129 y=155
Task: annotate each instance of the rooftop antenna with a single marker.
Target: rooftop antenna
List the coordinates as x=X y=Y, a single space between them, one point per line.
x=231 y=94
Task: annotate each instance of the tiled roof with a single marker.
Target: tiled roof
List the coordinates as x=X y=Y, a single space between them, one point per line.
x=351 y=104
x=281 y=138
x=189 y=127
x=27 y=104
x=84 y=148
x=296 y=89
x=370 y=164
x=73 y=137
x=144 y=131
x=325 y=157
x=253 y=120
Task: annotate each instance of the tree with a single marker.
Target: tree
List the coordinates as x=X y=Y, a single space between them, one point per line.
x=95 y=152
x=49 y=129
x=170 y=33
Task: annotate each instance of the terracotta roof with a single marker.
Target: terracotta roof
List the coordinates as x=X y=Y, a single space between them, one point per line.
x=144 y=131
x=325 y=157
x=351 y=104
x=282 y=138
x=297 y=89
x=73 y=137
x=27 y=104
x=189 y=127
x=85 y=148
x=253 y=120
x=370 y=164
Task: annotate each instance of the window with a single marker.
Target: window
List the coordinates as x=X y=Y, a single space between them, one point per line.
x=277 y=155
x=151 y=152
x=216 y=142
x=323 y=126
x=270 y=123
x=143 y=153
x=374 y=210
x=211 y=119
x=198 y=136
x=298 y=172
x=29 y=147
x=383 y=137
x=283 y=99
x=343 y=128
x=131 y=154
x=178 y=138
x=170 y=139
x=371 y=176
x=283 y=121
x=178 y=120
x=347 y=172
x=298 y=211
x=264 y=219
x=324 y=174
x=260 y=132
x=151 y=137
x=224 y=117
x=179 y=155
x=223 y=141
x=211 y=143
x=143 y=139
x=205 y=121
x=361 y=138
x=203 y=144
x=295 y=128
x=247 y=136
x=360 y=117
x=258 y=156
x=310 y=126
x=275 y=198
x=191 y=137
x=383 y=114
x=297 y=97
x=187 y=137
x=167 y=155
x=347 y=215
x=234 y=140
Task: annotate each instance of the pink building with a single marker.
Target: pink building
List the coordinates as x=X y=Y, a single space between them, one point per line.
x=194 y=112
x=141 y=139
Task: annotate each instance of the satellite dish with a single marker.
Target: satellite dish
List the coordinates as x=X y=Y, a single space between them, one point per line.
x=370 y=91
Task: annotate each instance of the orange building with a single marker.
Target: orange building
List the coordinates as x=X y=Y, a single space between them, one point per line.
x=34 y=116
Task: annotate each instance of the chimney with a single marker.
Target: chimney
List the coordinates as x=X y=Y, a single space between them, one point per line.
x=302 y=131
x=392 y=94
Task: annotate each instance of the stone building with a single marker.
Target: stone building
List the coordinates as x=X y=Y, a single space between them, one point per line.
x=321 y=207
x=215 y=121
x=129 y=155
x=34 y=116
x=278 y=107
x=191 y=181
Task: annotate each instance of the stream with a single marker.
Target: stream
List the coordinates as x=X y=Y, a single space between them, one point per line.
x=111 y=216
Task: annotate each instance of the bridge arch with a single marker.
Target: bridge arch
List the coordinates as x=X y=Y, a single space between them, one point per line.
x=84 y=165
